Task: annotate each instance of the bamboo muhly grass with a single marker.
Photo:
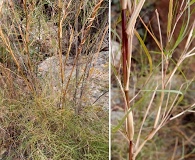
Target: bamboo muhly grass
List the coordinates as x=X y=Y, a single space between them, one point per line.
x=38 y=57
x=127 y=39
x=164 y=99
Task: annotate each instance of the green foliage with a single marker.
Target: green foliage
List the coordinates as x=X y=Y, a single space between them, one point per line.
x=37 y=129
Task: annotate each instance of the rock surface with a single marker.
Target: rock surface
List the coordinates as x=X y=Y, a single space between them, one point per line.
x=93 y=72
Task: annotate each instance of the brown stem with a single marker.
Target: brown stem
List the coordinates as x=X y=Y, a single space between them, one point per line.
x=130 y=150
x=27 y=51
x=124 y=47
x=125 y=59
x=130 y=142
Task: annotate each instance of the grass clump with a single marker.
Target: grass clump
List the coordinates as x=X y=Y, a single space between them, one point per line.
x=41 y=117
x=36 y=129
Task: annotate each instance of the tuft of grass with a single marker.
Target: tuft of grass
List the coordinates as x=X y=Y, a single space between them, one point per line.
x=43 y=117
x=36 y=129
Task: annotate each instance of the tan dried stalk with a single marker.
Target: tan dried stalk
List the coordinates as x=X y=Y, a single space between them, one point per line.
x=85 y=31
x=26 y=40
x=127 y=52
x=88 y=77
x=7 y=44
x=60 y=22
x=163 y=72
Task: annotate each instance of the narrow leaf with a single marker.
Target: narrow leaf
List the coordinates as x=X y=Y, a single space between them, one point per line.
x=145 y=49
x=166 y=91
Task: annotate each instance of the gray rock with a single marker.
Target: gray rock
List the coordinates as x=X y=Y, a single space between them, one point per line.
x=96 y=83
